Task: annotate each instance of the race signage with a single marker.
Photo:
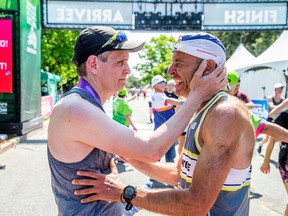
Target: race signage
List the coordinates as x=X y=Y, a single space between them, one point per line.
x=209 y=15
x=75 y=13
x=6 y=65
x=245 y=16
x=260 y=108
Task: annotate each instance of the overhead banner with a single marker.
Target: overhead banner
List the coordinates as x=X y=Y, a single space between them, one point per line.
x=245 y=16
x=83 y=13
x=6 y=65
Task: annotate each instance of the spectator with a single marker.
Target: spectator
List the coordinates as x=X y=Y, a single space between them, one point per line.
x=283 y=107
x=281 y=120
x=273 y=101
x=276 y=99
x=234 y=81
x=170 y=92
x=163 y=109
x=122 y=113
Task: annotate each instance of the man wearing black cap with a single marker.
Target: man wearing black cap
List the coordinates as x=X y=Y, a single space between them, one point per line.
x=82 y=137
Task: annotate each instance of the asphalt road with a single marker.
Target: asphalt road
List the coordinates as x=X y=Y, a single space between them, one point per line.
x=25 y=183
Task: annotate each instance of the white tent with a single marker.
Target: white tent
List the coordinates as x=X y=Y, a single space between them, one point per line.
x=240 y=58
x=276 y=54
x=268 y=69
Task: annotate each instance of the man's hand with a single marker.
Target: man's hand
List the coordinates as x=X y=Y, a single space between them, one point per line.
x=265 y=168
x=101 y=187
x=205 y=86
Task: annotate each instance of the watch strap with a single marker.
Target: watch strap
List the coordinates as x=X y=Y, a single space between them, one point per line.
x=128 y=200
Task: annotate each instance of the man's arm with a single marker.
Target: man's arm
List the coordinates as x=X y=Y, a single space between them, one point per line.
x=162 y=172
x=127 y=117
x=265 y=167
x=279 y=108
x=175 y=102
x=250 y=105
x=276 y=131
x=214 y=163
x=127 y=100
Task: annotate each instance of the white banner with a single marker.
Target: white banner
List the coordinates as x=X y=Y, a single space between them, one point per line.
x=245 y=15
x=91 y=13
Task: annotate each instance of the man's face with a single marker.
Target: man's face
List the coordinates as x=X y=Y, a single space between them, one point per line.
x=233 y=89
x=279 y=90
x=160 y=86
x=182 y=71
x=171 y=87
x=114 y=70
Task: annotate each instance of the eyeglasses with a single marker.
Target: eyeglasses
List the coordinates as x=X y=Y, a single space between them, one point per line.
x=161 y=82
x=117 y=38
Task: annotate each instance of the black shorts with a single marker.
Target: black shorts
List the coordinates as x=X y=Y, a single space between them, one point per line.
x=282 y=119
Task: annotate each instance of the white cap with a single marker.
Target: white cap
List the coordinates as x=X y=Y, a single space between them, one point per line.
x=278 y=85
x=156 y=79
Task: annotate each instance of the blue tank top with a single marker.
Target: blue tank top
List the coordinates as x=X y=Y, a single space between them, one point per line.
x=62 y=175
x=233 y=198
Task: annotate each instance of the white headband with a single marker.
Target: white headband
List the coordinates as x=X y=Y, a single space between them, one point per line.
x=204 y=46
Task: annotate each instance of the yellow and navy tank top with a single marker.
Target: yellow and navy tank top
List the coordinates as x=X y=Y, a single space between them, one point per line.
x=234 y=195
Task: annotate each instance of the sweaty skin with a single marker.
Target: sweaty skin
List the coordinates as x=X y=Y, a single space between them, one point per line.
x=69 y=144
x=225 y=144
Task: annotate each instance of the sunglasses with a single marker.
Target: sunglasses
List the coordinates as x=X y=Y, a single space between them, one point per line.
x=280 y=88
x=160 y=82
x=117 y=38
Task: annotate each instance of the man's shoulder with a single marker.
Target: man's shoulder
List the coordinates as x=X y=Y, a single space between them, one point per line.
x=226 y=107
x=228 y=114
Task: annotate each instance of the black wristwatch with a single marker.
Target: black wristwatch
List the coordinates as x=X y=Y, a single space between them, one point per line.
x=129 y=192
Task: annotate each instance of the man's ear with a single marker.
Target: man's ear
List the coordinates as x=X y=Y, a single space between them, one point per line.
x=211 y=65
x=91 y=63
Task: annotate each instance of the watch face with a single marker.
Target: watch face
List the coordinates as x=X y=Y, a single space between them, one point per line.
x=129 y=191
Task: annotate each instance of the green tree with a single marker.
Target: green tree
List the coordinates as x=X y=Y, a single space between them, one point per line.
x=156 y=56
x=133 y=82
x=57 y=50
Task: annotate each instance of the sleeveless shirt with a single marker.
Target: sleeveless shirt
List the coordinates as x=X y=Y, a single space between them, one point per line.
x=63 y=173
x=275 y=103
x=233 y=198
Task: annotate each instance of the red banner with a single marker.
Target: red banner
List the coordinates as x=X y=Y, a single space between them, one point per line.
x=6 y=65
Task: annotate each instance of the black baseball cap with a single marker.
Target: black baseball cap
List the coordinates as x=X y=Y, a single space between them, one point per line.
x=91 y=40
